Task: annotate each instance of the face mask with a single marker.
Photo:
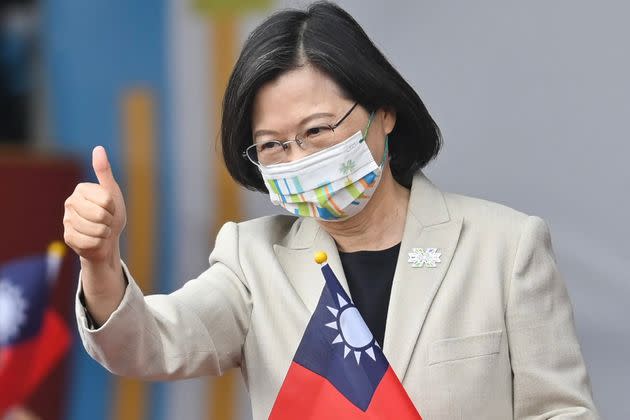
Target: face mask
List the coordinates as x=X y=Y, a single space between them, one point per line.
x=332 y=184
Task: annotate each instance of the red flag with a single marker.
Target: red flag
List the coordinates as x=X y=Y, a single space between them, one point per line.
x=338 y=370
x=33 y=338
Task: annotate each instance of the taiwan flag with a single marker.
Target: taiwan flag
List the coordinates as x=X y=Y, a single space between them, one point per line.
x=339 y=370
x=33 y=338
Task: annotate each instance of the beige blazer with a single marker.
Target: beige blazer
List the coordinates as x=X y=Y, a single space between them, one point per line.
x=487 y=334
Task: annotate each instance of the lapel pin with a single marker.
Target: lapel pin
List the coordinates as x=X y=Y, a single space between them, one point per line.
x=419 y=257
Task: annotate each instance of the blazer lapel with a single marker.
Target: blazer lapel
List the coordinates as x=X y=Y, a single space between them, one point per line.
x=428 y=225
x=296 y=256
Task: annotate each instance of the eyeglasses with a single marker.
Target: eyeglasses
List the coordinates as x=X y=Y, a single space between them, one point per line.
x=310 y=140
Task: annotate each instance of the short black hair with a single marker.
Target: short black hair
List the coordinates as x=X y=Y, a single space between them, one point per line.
x=328 y=38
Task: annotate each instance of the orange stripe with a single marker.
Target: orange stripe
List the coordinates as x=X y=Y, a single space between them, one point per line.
x=364 y=183
x=331 y=201
x=138 y=139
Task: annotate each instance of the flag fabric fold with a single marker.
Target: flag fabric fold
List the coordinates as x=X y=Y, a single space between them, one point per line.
x=33 y=337
x=339 y=370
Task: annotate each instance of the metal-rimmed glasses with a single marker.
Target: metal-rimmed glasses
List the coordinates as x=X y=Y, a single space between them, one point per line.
x=311 y=140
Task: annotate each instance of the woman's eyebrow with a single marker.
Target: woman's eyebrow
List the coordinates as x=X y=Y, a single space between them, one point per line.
x=314 y=116
x=304 y=121
x=264 y=133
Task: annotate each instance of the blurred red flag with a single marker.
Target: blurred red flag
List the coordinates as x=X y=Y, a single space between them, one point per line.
x=33 y=338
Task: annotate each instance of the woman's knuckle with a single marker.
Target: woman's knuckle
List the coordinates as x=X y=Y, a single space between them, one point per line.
x=101 y=230
x=101 y=214
x=107 y=198
x=81 y=187
x=68 y=237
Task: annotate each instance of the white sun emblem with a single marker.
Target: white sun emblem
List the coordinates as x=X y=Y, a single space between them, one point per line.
x=12 y=311
x=353 y=333
x=419 y=257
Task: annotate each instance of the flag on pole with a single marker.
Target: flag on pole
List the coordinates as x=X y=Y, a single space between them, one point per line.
x=339 y=370
x=33 y=338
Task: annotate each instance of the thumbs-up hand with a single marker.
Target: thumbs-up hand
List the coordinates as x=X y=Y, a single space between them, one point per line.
x=95 y=215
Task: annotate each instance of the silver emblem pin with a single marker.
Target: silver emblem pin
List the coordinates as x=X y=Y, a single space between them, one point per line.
x=420 y=257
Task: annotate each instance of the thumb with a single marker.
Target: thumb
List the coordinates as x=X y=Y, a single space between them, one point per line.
x=102 y=168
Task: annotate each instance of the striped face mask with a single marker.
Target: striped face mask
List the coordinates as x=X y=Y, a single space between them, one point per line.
x=333 y=184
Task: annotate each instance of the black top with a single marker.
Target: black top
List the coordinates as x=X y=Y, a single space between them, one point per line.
x=370 y=275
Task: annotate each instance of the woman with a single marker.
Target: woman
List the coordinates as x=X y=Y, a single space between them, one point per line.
x=463 y=295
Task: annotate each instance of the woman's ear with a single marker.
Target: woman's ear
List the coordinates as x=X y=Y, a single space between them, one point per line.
x=388 y=119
